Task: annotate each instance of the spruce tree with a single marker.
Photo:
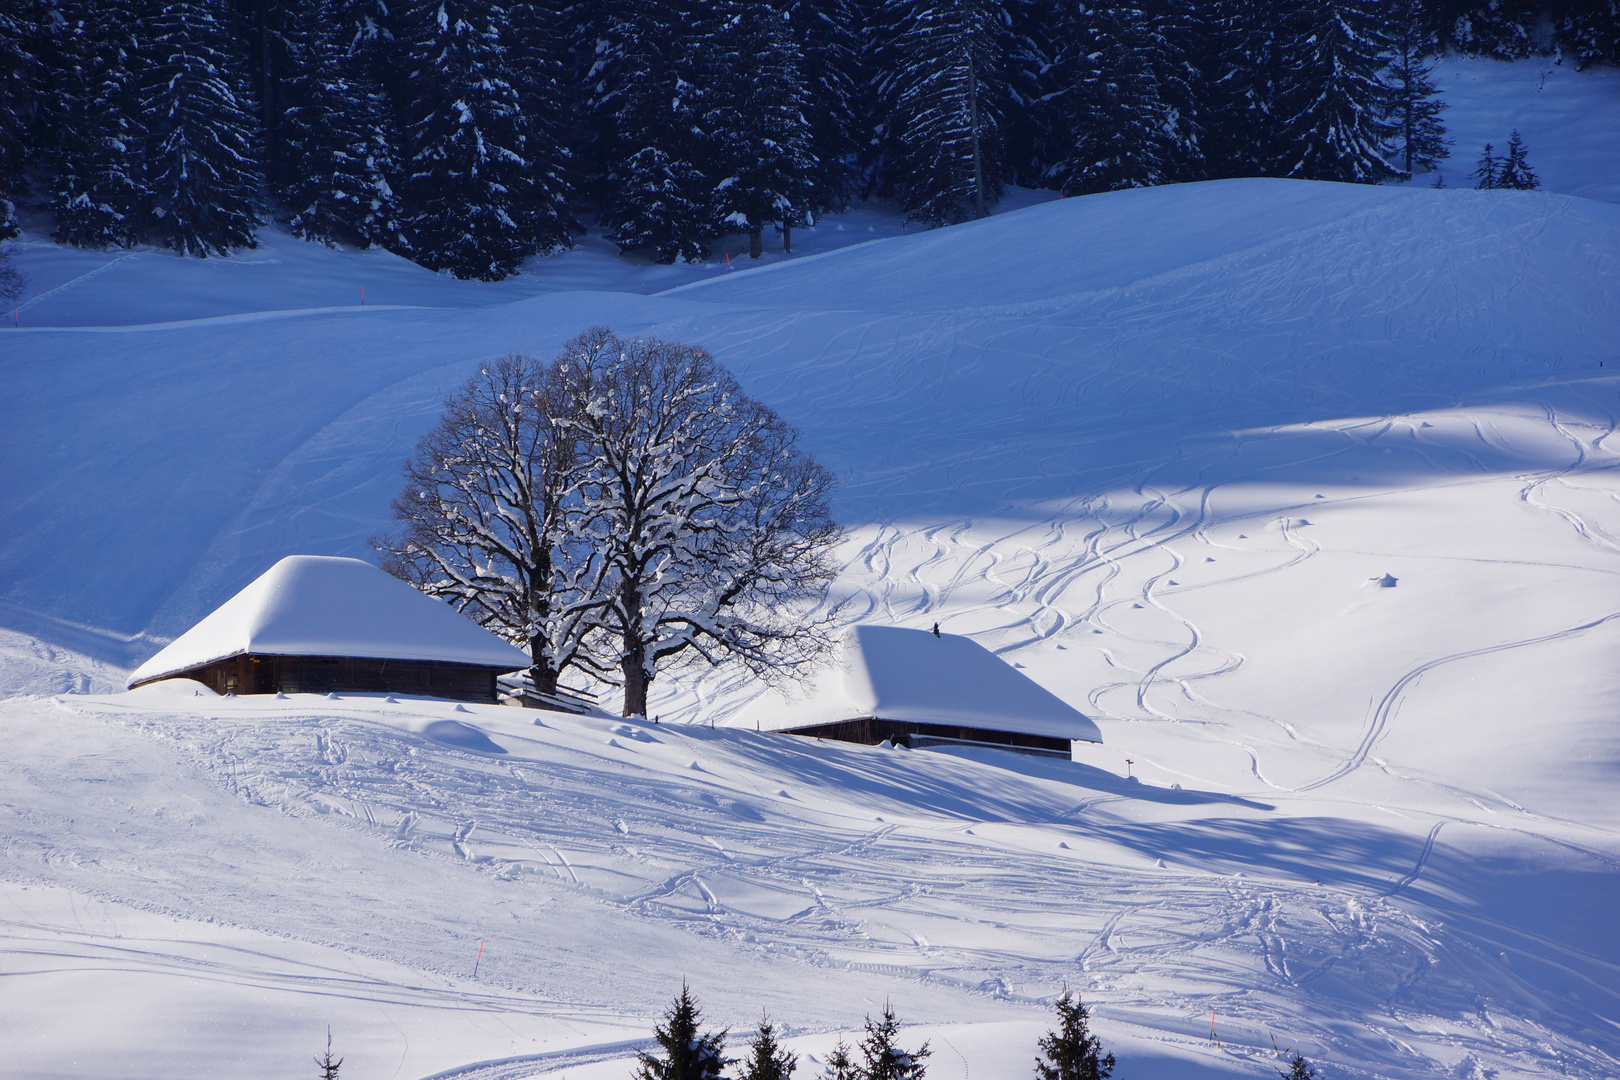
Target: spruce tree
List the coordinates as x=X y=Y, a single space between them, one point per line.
x=265 y=46
x=943 y=94
x=688 y=1053
x=764 y=169
x=649 y=99
x=19 y=70
x=1235 y=51
x=98 y=195
x=1516 y=172
x=767 y=1060
x=1415 y=104
x=840 y=1066
x=835 y=98
x=883 y=1060
x=329 y=1067
x=538 y=34
x=1332 y=107
x=1113 y=130
x=1487 y=170
x=1298 y=1069
x=1500 y=29
x=202 y=175
x=1072 y=1052
x=1589 y=30
x=471 y=204
x=339 y=139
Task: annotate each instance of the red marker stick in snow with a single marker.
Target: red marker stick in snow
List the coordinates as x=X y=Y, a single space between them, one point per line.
x=362 y=296
x=481 y=957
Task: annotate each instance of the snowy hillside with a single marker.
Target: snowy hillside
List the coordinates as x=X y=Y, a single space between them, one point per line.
x=1306 y=493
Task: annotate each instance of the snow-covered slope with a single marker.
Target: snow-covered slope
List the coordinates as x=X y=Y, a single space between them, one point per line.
x=1305 y=493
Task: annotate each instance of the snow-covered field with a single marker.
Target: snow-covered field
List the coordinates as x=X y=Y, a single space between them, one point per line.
x=1161 y=449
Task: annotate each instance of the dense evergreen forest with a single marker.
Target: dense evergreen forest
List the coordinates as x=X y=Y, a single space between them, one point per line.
x=468 y=135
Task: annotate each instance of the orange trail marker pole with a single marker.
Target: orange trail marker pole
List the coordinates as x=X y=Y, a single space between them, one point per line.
x=362 y=296
x=481 y=957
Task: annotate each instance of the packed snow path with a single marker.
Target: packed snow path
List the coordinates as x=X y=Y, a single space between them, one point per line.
x=1306 y=493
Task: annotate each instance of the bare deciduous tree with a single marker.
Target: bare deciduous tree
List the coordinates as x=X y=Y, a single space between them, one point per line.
x=485 y=521
x=621 y=509
x=713 y=523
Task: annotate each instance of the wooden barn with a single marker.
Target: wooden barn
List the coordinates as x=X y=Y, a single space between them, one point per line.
x=920 y=689
x=317 y=625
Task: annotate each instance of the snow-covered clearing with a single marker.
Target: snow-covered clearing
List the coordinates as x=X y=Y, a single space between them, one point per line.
x=1306 y=493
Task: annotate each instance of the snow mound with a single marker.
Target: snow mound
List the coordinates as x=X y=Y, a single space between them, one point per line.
x=311 y=605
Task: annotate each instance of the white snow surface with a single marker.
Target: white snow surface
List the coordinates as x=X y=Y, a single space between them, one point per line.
x=315 y=605
x=1163 y=451
x=902 y=674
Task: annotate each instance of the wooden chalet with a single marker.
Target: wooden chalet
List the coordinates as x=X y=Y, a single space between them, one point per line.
x=312 y=624
x=920 y=689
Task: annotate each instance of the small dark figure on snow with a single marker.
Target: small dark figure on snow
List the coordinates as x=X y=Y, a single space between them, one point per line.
x=936 y=629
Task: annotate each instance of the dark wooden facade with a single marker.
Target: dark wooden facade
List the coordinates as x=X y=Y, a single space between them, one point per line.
x=254 y=674
x=872 y=730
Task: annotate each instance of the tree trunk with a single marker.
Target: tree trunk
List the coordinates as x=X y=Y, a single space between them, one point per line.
x=978 y=163
x=633 y=660
x=542 y=673
x=787 y=237
x=756 y=239
x=636 y=680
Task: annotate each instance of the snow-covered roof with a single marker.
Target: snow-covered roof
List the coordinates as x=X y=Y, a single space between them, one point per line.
x=313 y=605
x=895 y=673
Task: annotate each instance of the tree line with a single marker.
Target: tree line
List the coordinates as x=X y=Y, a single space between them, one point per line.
x=1071 y=1051
x=469 y=135
x=621 y=508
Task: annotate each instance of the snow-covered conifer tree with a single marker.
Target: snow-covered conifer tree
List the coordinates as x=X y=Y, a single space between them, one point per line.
x=943 y=91
x=1487 y=170
x=763 y=166
x=1502 y=29
x=713 y=524
x=1590 y=31
x=1516 y=173
x=649 y=98
x=767 y=1059
x=538 y=37
x=1238 y=59
x=98 y=195
x=1333 y=104
x=201 y=174
x=688 y=1053
x=339 y=140
x=1112 y=128
x=836 y=95
x=1415 y=104
x=19 y=67
x=884 y=1060
x=1298 y=1069
x=1072 y=1052
x=470 y=198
